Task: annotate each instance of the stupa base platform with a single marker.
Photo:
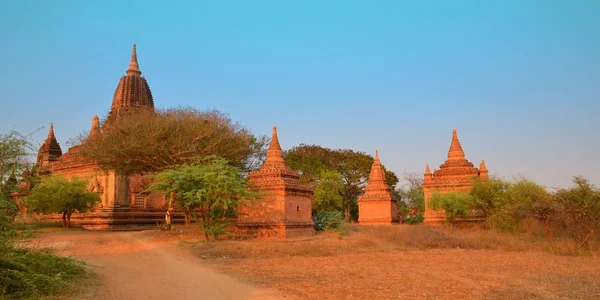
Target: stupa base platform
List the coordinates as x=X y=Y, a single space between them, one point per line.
x=383 y=221
x=274 y=231
x=438 y=220
x=115 y=220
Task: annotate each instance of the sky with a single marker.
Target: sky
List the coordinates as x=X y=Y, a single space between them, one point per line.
x=519 y=80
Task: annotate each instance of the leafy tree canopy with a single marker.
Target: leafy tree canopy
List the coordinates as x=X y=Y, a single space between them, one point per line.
x=312 y=161
x=454 y=204
x=150 y=141
x=209 y=190
x=56 y=194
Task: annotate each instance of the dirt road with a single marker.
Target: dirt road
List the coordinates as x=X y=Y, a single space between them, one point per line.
x=146 y=265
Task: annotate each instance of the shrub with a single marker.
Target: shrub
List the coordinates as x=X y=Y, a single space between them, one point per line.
x=454 y=204
x=413 y=220
x=328 y=220
x=33 y=273
x=210 y=191
x=56 y=194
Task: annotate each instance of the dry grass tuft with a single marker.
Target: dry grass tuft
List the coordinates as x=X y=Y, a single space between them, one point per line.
x=360 y=239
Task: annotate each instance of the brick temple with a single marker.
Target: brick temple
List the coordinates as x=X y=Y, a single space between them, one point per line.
x=285 y=207
x=122 y=200
x=377 y=206
x=455 y=175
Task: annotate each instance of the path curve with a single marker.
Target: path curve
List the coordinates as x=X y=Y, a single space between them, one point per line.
x=133 y=266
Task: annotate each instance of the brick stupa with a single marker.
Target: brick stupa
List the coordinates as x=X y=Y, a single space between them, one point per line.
x=285 y=207
x=377 y=206
x=455 y=175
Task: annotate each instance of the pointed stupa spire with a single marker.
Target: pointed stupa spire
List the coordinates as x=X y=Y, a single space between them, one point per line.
x=482 y=166
x=274 y=153
x=95 y=126
x=51 y=132
x=377 y=173
x=134 y=68
x=456 y=151
x=427 y=170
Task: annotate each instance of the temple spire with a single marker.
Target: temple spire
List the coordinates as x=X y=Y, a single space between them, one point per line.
x=455 y=151
x=95 y=126
x=377 y=174
x=274 y=154
x=134 y=68
x=51 y=132
x=482 y=166
x=427 y=170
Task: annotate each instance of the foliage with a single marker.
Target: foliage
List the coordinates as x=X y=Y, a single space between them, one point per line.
x=412 y=197
x=454 y=204
x=328 y=220
x=580 y=209
x=32 y=273
x=490 y=196
x=56 y=194
x=209 y=190
x=14 y=148
x=327 y=195
x=311 y=161
x=25 y=273
x=150 y=141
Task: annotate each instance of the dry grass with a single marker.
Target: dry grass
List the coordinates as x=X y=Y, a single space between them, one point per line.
x=408 y=262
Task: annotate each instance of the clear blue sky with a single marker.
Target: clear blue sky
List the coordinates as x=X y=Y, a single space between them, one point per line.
x=520 y=80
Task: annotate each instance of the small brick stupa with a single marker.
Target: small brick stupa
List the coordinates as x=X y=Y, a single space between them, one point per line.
x=285 y=207
x=455 y=175
x=377 y=206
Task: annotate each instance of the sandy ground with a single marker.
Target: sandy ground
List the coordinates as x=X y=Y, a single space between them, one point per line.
x=145 y=265
x=364 y=265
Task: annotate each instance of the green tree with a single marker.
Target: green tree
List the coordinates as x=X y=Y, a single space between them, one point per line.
x=412 y=198
x=14 y=149
x=490 y=196
x=327 y=195
x=209 y=191
x=354 y=167
x=56 y=194
x=454 y=204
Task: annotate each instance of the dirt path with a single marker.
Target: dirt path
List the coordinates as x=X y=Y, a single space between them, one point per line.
x=144 y=265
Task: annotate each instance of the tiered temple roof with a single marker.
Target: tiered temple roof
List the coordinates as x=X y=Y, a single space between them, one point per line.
x=73 y=157
x=275 y=173
x=377 y=187
x=133 y=90
x=455 y=170
x=50 y=150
